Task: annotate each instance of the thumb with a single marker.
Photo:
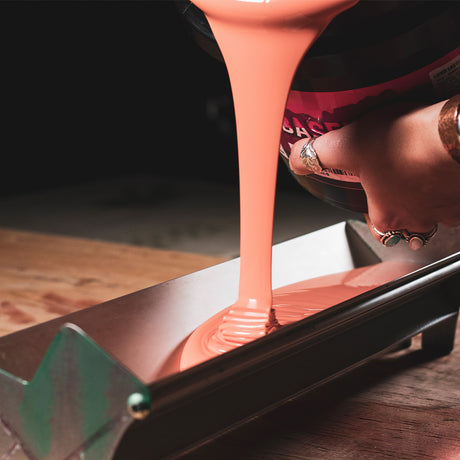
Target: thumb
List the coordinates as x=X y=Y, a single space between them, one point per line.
x=332 y=149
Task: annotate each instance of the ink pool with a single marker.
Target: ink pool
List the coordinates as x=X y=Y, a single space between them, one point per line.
x=297 y=301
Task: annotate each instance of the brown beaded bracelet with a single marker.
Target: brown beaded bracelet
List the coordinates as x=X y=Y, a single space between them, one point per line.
x=449 y=128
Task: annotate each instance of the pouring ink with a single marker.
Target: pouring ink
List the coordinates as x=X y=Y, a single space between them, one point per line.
x=262 y=43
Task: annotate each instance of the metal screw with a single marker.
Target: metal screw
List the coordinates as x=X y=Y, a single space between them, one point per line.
x=138 y=406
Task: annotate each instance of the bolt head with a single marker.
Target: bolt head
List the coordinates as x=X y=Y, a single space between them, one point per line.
x=138 y=406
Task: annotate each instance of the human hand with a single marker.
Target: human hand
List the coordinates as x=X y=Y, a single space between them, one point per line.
x=410 y=180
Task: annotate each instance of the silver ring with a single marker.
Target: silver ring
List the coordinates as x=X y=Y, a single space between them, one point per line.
x=418 y=240
x=415 y=240
x=309 y=157
x=391 y=238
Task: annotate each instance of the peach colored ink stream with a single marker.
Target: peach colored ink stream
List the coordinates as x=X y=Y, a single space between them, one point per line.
x=262 y=42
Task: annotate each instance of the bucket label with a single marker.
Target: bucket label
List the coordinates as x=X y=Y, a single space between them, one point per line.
x=446 y=78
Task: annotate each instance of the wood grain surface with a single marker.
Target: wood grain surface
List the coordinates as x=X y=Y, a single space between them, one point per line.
x=45 y=276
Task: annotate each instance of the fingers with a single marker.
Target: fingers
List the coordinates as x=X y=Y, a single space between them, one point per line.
x=393 y=217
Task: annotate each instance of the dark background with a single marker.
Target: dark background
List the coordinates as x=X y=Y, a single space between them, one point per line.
x=92 y=90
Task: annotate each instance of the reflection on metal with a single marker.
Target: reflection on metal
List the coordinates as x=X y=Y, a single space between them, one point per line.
x=73 y=408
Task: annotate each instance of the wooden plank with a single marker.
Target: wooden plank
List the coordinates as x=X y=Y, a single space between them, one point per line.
x=44 y=276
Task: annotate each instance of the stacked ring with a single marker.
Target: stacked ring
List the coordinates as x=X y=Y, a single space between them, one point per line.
x=415 y=240
x=391 y=238
x=418 y=240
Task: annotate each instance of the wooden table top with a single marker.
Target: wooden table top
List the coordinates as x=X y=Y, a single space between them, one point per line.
x=46 y=276
x=401 y=406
